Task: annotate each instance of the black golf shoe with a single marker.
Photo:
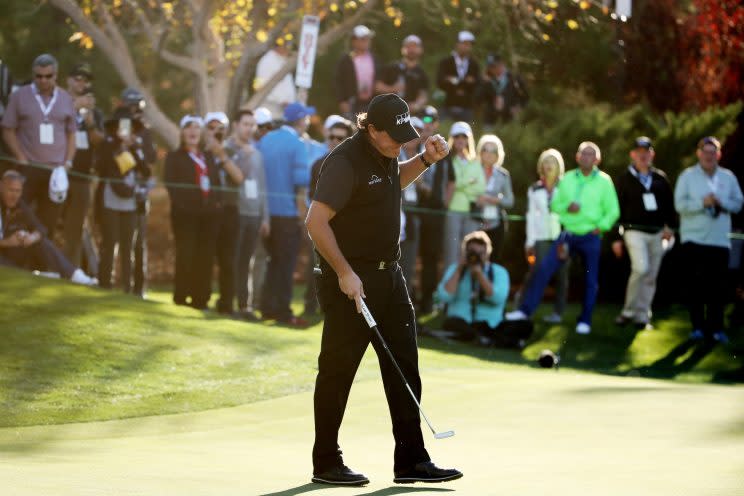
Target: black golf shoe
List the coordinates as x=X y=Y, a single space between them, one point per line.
x=426 y=472
x=340 y=475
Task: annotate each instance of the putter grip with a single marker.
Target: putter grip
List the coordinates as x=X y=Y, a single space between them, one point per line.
x=367 y=315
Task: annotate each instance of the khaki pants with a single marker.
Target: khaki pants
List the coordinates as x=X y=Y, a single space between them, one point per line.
x=645 y=251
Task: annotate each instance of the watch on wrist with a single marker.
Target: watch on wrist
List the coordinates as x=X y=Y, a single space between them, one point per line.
x=426 y=163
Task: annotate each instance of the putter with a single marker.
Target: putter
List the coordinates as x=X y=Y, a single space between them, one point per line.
x=373 y=325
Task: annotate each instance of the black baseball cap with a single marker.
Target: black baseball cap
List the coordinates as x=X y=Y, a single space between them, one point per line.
x=82 y=69
x=643 y=142
x=389 y=112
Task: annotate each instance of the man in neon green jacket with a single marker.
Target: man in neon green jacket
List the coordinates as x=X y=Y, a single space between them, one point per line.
x=586 y=203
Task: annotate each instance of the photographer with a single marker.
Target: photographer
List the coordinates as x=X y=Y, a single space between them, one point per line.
x=88 y=137
x=119 y=164
x=228 y=222
x=134 y=103
x=475 y=291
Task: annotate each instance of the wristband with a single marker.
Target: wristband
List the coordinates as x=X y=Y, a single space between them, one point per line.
x=423 y=160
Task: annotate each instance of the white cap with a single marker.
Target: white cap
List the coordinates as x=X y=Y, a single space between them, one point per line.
x=58 y=184
x=412 y=38
x=263 y=116
x=220 y=117
x=188 y=119
x=362 y=31
x=331 y=120
x=417 y=123
x=465 y=36
x=460 y=127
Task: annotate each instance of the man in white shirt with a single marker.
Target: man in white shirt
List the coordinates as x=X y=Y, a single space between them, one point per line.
x=284 y=92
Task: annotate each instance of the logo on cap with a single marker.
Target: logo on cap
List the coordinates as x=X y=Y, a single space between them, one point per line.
x=402 y=118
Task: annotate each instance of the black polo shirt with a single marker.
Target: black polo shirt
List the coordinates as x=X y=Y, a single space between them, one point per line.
x=363 y=188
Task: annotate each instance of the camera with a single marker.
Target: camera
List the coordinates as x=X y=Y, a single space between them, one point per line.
x=472 y=257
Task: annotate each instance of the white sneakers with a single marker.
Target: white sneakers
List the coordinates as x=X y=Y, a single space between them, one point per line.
x=583 y=328
x=516 y=315
x=80 y=277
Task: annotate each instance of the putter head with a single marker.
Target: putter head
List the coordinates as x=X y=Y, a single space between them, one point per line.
x=442 y=435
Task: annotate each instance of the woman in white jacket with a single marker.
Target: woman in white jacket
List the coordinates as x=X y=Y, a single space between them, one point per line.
x=543 y=228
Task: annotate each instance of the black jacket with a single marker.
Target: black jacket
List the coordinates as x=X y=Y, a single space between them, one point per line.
x=514 y=94
x=633 y=214
x=462 y=93
x=346 y=80
x=183 y=184
x=109 y=171
x=20 y=218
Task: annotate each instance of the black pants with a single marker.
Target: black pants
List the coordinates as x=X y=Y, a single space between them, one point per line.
x=118 y=230
x=282 y=246
x=430 y=248
x=76 y=209
x=140 y=253
x=227 y=239
x=43 y=255
x=465 y=330
x=497 y=235
x=707 y=268
x=195 y=236
x=345 y=339
x=36 y=191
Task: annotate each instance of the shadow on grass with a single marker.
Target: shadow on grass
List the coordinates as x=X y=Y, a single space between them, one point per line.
x=388 y=491
x=671 y=366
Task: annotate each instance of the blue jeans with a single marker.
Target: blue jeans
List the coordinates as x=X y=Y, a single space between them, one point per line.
x=282 y=247
x=587 y=245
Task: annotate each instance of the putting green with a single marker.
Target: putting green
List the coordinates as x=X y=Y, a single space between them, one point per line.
x=519 y=432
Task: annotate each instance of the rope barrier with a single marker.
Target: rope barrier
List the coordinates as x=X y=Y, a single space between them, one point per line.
x=406 y=208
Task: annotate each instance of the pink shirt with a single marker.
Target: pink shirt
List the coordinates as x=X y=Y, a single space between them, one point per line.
x=24 y=114
x=365 y=75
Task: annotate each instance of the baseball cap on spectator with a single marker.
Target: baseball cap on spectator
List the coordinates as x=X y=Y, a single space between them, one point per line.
x=220 y=117
x=296 y=111
x=189 y=119
x=389 y=112
x=412 y=38
x=263 y=116
x=643 y=142
x=362 y=31
x=461 y=127
x=429 y=114
x=131 y=96
x=82 y=69
x=464 y=36
x=332 y=120
x=493 y=59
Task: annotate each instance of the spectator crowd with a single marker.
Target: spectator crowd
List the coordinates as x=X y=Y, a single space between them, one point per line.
x=239 y=188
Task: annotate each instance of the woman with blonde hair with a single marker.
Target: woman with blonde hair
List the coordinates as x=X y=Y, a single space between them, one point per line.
x=543 y=228
x=491 y=206
x=466 y=182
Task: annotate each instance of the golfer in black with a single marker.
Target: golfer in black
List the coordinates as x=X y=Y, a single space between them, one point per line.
x=354 y=222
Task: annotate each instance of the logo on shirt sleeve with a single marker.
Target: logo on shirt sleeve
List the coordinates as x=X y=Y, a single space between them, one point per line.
x=374 y=180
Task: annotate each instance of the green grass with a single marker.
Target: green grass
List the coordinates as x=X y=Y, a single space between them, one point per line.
x=76 y=354
x=71 y=355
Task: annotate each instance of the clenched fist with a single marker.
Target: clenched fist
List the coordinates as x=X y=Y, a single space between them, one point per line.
x=435 y=148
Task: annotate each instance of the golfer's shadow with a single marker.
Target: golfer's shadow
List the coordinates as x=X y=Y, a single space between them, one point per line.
x=388 y=491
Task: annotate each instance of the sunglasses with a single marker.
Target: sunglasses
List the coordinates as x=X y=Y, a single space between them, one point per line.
x=490 y=150
x=216 y=128
x=44 y=76
x=428 y=119
x=457 y=136
x=336 y=137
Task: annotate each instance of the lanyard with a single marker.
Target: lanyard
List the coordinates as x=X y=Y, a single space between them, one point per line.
x=199 y=162
x=645 y=180
x=45 y=109
x=712 y=182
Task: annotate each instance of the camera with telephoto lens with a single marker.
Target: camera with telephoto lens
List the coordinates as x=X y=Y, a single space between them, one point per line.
x=473 y=257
